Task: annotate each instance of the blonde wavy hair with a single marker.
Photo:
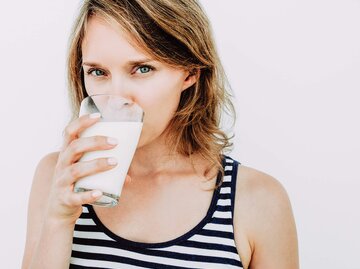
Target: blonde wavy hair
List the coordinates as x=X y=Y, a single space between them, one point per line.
x=176 y=32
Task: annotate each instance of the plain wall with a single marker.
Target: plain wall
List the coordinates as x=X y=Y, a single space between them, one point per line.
x=294 y=67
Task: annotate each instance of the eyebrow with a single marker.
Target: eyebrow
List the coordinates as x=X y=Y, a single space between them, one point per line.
x=129 y=63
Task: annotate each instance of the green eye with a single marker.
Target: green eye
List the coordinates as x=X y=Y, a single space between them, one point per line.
x=99 y=72
x=144 y=69
x=96 y=72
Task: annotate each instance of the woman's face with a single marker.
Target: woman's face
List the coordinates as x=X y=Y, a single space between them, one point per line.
x=112 y=65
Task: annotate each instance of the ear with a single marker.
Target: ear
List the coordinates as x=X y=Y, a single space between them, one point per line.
x=191 y=78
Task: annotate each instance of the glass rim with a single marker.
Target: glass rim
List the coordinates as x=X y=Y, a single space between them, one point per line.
x=101 y=94
x=127 y=102
x=111 y=94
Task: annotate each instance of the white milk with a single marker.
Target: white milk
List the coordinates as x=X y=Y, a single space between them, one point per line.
x=111 y=181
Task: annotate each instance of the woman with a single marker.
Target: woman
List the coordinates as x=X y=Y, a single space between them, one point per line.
x=185 y=204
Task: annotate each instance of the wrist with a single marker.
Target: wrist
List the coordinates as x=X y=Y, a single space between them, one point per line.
x=59 y=221
x=61 y=217
x=55 y=223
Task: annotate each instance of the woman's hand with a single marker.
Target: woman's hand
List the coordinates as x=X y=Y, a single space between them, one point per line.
x=64 y=204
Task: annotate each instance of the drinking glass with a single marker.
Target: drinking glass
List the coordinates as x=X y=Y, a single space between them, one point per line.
x=122 y=119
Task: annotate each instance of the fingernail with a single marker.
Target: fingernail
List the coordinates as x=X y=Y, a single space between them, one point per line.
x=95 y=115
x=96 y=194
x=112 y=161
x=112 y=141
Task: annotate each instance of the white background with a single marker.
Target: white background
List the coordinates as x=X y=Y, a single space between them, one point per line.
x=295 y=70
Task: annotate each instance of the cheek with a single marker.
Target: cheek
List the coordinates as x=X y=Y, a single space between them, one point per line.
x=159 y=100
x=162 y=93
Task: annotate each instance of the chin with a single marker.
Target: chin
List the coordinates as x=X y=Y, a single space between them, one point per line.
x=146 y=140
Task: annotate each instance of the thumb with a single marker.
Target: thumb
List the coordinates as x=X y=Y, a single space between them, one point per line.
x=128 y=179
x=88 y=197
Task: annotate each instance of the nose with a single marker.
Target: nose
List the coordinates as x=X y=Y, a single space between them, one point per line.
x=114 y=107
x=120 y=86
x=118 y=101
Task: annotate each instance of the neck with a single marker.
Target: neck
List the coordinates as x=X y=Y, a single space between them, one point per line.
x=157 y=159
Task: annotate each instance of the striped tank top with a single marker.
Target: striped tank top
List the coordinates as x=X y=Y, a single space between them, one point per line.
x=210 y=244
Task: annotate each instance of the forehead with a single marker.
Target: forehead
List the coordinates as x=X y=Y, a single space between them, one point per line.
x=109 y=43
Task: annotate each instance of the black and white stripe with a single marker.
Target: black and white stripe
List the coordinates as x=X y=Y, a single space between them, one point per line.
x=209 y=245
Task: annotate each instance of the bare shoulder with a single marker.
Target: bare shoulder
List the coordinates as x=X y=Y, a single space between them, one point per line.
x=43 y=175
x=255 y=185
x=264 y=225
x=39 y=193
x=42 y=181
x=48 y=162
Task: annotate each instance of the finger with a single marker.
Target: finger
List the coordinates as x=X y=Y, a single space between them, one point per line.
x=79 y=146
x=128 y=179
x=81 y=169
x=73 y=130
x=81 y=198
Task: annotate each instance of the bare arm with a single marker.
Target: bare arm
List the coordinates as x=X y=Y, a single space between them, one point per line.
x=264 y=218
x=53 y=205
x=47 y=238
x=37 y=202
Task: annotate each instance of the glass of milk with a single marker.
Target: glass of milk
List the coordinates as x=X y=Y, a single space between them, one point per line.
x=123 y=120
